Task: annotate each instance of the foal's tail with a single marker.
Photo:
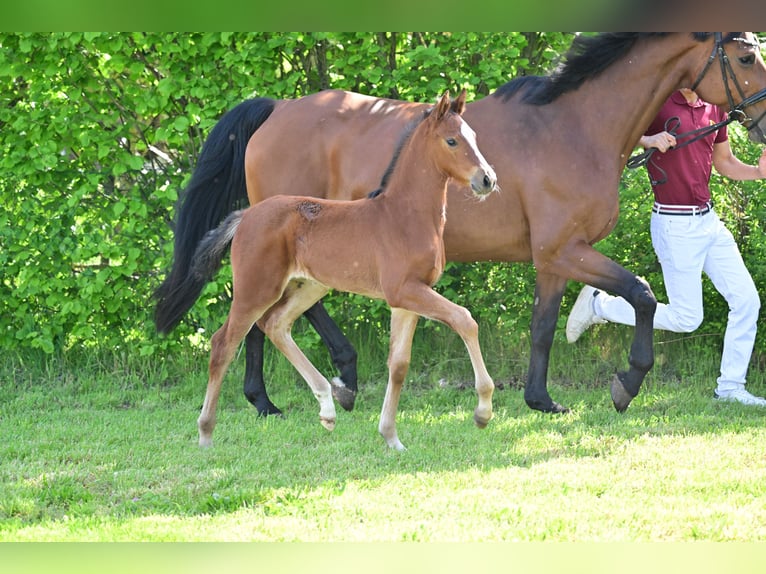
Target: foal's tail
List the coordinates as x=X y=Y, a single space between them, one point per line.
x=203 y=264
x=217 y=187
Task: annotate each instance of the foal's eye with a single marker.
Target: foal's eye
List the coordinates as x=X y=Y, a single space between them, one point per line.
x=748 y=60
x=451 y=142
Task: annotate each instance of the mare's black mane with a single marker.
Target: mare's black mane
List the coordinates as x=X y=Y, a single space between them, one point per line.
x=587 y=57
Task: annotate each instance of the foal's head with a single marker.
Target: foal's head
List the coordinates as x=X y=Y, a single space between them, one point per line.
x=454 y=149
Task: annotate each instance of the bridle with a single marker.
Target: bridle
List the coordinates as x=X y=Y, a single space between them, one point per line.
x=727 y=71
x=736 y=113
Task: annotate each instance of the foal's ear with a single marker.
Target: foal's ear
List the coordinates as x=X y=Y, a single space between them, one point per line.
x=458 y=104
x=442 y=107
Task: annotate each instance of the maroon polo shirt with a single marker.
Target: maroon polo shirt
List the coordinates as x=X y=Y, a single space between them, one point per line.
x=687 y=168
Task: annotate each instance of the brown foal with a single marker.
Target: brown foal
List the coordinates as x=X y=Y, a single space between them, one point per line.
x=288 y=251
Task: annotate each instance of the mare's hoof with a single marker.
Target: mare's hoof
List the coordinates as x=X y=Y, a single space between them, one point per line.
x=341 y=393
x=329 y=424
x=549 y=407
x=270 y=411
x=620 y=397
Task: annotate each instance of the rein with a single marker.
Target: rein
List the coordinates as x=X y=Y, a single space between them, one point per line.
x=737 y=112
x=671 y=126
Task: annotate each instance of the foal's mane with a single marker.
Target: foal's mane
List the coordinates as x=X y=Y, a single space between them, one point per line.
x=409 y=129
x=587 y=57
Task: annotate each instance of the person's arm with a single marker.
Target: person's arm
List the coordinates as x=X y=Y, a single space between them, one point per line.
x=729 y=166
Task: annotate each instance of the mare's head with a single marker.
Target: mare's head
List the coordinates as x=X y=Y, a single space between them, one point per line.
x=735 y=72
x=452 y=145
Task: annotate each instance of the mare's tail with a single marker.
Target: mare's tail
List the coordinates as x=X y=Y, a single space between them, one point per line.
x=205 y=261
x=217 y=187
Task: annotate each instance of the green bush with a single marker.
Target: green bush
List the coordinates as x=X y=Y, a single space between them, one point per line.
x=100 y=131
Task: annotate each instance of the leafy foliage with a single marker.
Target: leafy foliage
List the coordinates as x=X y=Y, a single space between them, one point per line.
x=100 y=131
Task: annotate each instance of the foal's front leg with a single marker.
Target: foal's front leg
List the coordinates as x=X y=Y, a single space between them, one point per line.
x=403 y=325
x=421 y=299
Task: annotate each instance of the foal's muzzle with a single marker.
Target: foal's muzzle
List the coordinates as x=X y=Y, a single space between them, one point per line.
x=484 y=182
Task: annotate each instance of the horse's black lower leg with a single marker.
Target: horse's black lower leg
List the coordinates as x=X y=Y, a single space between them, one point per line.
x=625 y=385
x=342 y=353
x=548 y=294
x=255 y=387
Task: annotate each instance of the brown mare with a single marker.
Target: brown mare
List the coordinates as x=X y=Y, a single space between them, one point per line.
x=559 y=144
x=287 y=252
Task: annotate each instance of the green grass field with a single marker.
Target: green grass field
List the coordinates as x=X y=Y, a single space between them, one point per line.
x=105 y=449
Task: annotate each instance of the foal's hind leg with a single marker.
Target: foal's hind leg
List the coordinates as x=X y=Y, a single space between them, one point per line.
x=342 y=352
x=277 y=325
x=343 y=355
x=223 y=346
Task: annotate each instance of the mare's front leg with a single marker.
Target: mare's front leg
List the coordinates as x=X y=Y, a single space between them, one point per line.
x=625 y=385
x=255 y=387
x=342 y=353
x=583 y=263
x=549 y=289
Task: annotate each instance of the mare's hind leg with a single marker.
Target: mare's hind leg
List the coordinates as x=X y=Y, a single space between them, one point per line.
x=277 y=324
x=421 y=299
x=254 y=386
x=342 y=353
x=403 y=325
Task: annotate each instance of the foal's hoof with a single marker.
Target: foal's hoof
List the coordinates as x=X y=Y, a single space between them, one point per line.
x=341 y=393
x=329 y=424
x=620 y=397
x=481 y=420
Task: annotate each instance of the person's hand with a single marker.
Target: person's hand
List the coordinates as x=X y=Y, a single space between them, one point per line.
x=663 y=141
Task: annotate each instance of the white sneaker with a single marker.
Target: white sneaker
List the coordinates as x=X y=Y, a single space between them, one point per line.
x=582 y=315
x=739 y=396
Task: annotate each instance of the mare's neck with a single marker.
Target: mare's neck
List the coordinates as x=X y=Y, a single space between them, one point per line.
x=631 y=92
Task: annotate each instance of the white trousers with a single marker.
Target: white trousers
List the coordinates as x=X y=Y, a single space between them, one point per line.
x=687 y=245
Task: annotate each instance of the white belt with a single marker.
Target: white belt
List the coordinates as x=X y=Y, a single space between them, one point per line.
x=667 y=209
